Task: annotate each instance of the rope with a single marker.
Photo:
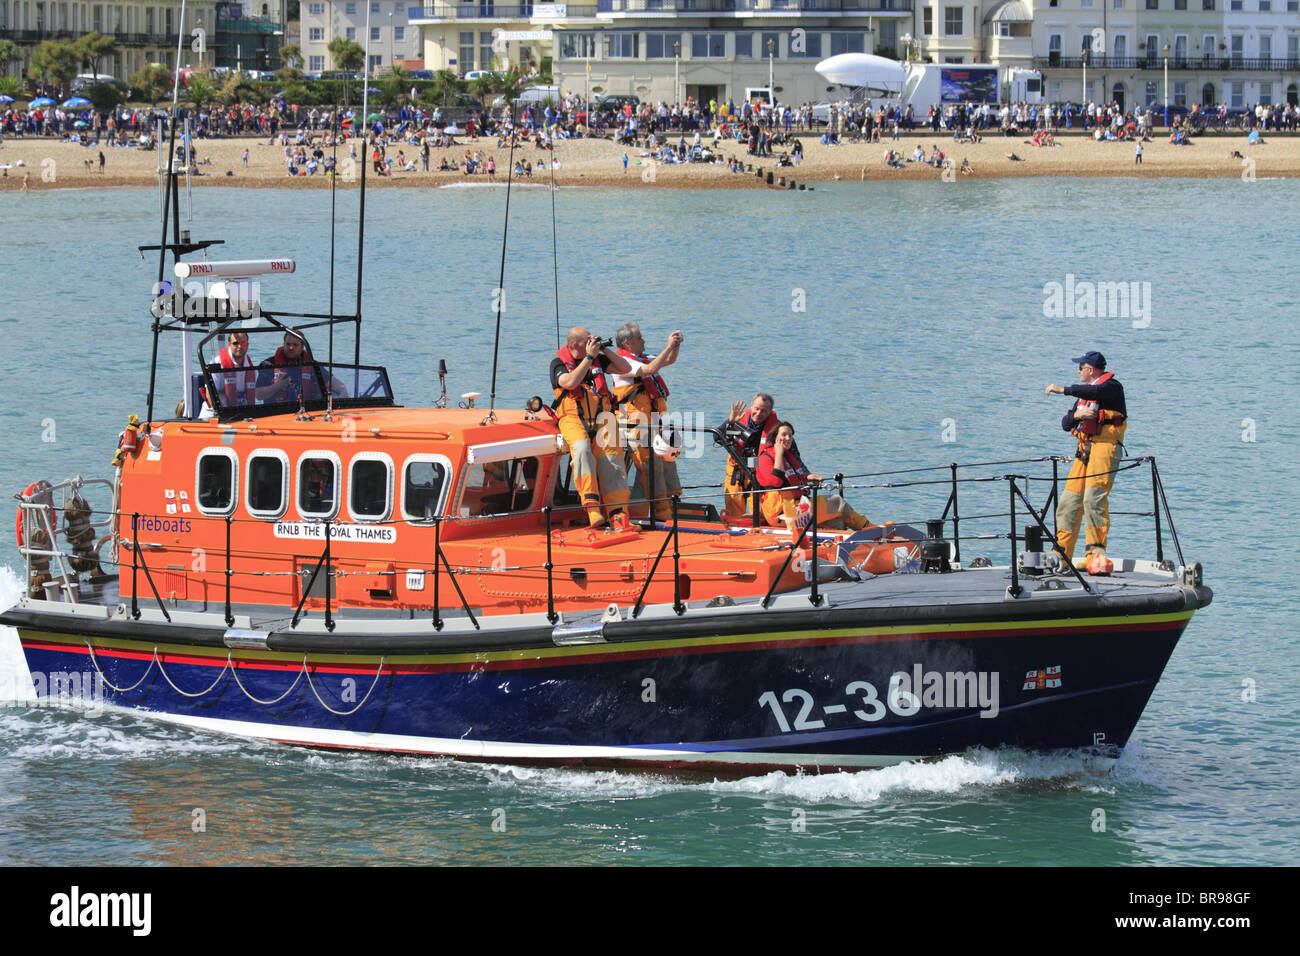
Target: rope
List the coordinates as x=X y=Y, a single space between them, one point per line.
x=266 y=703
x=202 y=693
x=108 y=683
x=345 y=713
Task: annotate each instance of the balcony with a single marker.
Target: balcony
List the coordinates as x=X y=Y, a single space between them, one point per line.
x=123 y=39
x=526 y=11
x=1215 y=63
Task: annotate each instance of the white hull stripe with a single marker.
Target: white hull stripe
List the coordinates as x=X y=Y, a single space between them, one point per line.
x=499 y=750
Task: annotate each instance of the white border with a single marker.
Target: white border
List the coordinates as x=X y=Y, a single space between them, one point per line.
x=224 y=452
x=443 y=492
x=339 y=489
x=287 y=469
x=387 y=462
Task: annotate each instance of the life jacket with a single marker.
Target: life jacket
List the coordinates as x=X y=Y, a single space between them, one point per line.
x=1086 y=429
x=232 y=381
x=796 y=472
x=591 y=396
x=653 y=385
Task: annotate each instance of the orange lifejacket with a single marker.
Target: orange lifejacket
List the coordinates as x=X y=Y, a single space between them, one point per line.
x=796 y=472
x=653 y=384
x=232 y=381
x=594 y=382
x=1088 y=427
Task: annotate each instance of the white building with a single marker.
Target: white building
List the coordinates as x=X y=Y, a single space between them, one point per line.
x=391 y=38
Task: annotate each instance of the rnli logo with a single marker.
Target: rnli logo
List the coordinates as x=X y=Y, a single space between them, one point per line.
x=1043 y=678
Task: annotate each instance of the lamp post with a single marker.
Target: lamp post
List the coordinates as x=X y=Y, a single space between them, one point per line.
x=391 y=62
x=771 y=46
x=907 y=46
x=1083 y=95
x=677 y=59
x=1165 y=50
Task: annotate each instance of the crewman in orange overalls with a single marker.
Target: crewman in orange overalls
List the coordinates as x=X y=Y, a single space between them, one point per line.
x=584 y=407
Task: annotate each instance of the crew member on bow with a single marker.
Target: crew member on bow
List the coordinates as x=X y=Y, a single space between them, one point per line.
x=781 y=469
x=584 y=408
x=642 y=399
x=747 y=431
x=1098 y=421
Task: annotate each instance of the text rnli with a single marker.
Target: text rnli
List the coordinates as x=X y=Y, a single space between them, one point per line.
x=315 y=531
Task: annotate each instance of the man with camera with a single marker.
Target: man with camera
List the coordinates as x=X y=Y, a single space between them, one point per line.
x=642 y=398
x=585 y=409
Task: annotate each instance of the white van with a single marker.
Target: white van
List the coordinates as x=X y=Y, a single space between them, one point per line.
x=537 y=95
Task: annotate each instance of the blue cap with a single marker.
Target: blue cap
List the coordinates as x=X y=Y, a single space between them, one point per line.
x=1095 y=359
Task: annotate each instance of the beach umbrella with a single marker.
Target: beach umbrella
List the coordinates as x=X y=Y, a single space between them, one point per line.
x=41 y=101
x=5 y=98
x=81 y=124
x=451 y=129
x=76 y=103
x=374 y=118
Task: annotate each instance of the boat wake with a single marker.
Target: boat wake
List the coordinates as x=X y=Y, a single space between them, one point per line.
x=15 y=678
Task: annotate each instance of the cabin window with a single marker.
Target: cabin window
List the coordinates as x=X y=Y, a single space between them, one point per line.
x=369 y=484
x=318 y=485
x=215 y=481
x=500 y=487
x=424 y=487
x=268 y=484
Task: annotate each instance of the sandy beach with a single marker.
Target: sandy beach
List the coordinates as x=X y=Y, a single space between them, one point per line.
x=599 y=162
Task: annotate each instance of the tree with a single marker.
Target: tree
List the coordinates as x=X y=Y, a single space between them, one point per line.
x=347 y=55
x=105 y=96
x=151 y=82
x=291 y=56
x=239 y=89
x=8 y=51
x=200 y=90
x=56 y=60
x=92 y=48
x=11 y=86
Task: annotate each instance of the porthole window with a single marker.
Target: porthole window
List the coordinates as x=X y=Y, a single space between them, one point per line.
x=318 y=485
x=216 y=481
x=370 y=484
x=267 y=484
x=425 y=479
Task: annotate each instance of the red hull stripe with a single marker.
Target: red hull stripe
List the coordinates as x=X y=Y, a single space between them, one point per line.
x=634 y=650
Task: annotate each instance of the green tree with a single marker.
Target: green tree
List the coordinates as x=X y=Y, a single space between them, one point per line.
x=8 y=51
x=291 y=56
x=200 y=90
x=239 y=89
x=152 y=82
x=57 y=60
x=11 y=86
x=395 y=85
x=93 y=48
x=346 y=54
x=105 y=96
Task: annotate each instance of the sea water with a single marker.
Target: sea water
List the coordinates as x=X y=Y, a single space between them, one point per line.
x=897 y=325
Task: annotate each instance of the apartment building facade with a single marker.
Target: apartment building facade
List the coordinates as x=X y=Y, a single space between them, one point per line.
x=389 y=34
x=1142 y=52
x=144 y=32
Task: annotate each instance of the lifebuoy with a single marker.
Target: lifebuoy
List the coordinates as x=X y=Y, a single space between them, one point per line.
x=34 y=488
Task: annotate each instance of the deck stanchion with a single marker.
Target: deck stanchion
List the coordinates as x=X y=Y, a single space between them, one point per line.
x=1155 y=511
x=135 y=562
x=1054 y=497
x=813 y=596
x=437 y=553
x=1014 y=590
x=1056 y=547
x=230 y=618
x=678 y=606
x=329 y=580
x=550 y=589
x=956 y=518
x=1169 y=519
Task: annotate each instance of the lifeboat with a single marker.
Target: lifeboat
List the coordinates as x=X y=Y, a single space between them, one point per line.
x=304 y=560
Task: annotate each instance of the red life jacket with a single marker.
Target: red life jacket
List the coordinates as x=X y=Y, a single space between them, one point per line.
x=796 y=472
x=653 y=384
x=1087 y=427
x=232 y=381
x=595 y=376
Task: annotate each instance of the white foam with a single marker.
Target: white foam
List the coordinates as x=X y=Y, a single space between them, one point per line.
x=15 y=678
x=69 y=734
x=499 y=184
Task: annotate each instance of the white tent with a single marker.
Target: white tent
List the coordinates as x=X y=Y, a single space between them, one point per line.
x=865 y=71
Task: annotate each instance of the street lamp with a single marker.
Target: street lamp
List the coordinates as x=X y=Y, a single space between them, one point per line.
x=907 y=46
x=1165 y=50
x=677 y=58
x=771 y=46
x=1083 y=96
x=390 y=40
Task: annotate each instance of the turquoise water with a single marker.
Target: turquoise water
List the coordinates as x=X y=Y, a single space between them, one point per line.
x=922 y=340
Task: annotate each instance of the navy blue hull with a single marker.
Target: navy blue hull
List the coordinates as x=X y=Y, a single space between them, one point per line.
x=850 y=696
